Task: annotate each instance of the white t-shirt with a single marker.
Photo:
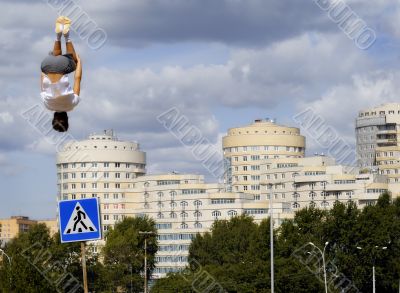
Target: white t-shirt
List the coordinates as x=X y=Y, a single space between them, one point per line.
x=59 y=96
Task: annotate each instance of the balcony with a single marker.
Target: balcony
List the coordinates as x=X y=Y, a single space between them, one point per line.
x=387 y=131
x=386 y=141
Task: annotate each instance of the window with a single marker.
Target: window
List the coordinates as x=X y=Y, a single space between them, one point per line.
x=106 y=195
x=83 y=195
x=106 y=165
x=232 y=213
x=106 y=175
x=106 y=206
x=193 y=191
x=106 y=217
x=127 y=176
x=83 y=175
x=216 y=214
x=73 y=196
x=115 y=195
x=223 y=201
x=198 y=225
x=73 y=175
x=168 y=182
x=184 y=215
x=94 y=185
x=197 y=203
x=117 y=175
x=106 y=185
x=160 y=216
x=83 y=185
x=198 y=214
x=117 y=185
x=115 y=217
x=184 y=226
x=184 y=204
x=172 y=215
x=94 y=174
x=255 y=211
x=117 y=165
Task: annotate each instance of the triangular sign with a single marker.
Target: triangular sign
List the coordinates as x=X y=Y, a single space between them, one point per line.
x=79 y=222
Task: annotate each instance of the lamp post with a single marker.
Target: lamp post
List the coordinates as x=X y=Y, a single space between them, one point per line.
x=373 y=265
x=271 y=236
x=9 y=262
x=146 y=234
x=323 y=261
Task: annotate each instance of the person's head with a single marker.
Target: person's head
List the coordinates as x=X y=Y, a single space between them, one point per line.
x=60 y=121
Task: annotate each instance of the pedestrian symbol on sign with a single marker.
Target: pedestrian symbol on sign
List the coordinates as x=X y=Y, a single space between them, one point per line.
x=79 y=222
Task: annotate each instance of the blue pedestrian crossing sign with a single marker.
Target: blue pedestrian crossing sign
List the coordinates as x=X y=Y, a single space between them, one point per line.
x=79 y=220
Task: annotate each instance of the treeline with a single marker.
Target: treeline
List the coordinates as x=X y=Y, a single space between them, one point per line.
x=40 y=263
x=235 y=255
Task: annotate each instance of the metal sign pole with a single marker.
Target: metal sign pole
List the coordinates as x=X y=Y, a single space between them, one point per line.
x=83 y=251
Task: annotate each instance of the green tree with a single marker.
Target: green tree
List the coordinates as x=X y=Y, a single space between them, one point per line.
x=40 y=263
x=124 y=254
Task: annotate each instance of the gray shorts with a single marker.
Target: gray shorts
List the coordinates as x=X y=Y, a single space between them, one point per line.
x=62 y=64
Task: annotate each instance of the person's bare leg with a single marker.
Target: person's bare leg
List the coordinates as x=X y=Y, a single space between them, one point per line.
x=57 y=48
x=71 y=50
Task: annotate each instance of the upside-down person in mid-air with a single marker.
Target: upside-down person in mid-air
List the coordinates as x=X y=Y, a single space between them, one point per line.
x=57 y=93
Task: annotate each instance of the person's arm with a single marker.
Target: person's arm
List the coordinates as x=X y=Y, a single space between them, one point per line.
x=41 y=81
x=78 y=76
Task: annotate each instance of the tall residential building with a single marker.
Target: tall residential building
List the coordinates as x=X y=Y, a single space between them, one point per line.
x=320 y=182
x=182 y=206
x=376 y=128
x=245 y=147
x=378 y=142
x=100 y=166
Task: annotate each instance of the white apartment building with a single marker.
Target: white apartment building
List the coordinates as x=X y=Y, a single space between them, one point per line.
x=184 y=205
x=246 y=147
x=181 y=204
x=319 y=182
x=100 y=166
x=378 y=142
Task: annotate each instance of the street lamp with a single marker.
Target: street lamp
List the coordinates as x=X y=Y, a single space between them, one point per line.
x=146 y=234
x=271 y=235
x=373 y=265
x=323 y=261
x=9 y=262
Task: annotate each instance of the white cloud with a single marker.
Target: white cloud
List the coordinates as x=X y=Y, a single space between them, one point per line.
x=6 y=117
x=339 y=106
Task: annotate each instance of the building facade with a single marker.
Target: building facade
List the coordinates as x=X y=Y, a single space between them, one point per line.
x=183 y=205
x=378 y=142
x=320 y=182
x=12 y=227
x=100 y=166
x=245 y=147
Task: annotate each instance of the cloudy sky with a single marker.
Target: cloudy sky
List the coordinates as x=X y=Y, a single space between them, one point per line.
x=222 y=63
